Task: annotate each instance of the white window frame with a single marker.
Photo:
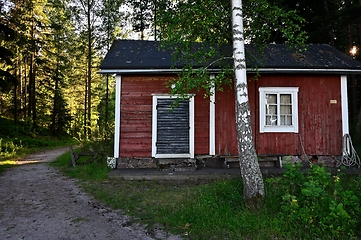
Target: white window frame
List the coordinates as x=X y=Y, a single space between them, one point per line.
x=154 y=128
x=293 y=91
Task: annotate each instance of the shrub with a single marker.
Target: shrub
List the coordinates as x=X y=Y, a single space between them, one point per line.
x=9 y=148
x=317 y=202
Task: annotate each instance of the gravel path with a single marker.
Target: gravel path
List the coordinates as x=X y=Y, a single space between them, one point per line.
x=38 y=202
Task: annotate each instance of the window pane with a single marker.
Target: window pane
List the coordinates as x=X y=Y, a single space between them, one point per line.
x=271 y=98
x=286 y=109
x=289 y=120
x=286 y=120
x=285 y=98
x=272 y=109
x=271 y=120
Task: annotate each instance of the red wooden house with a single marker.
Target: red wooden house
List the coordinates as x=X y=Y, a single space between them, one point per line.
x=298 y=106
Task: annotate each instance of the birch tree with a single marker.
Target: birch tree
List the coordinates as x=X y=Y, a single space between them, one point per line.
x=215 y=23
x=253 y=187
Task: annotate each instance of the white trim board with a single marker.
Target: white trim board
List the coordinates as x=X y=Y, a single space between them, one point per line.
x=118 y=96
x=212 y=120
x=249 y=70
x=344 y=105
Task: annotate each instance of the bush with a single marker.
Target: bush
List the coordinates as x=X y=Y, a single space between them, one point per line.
x=318 y=203
x=9 y=148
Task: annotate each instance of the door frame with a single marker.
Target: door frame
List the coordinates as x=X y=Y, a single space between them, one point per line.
x=154 y=128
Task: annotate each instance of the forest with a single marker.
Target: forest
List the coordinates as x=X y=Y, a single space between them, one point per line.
x=50 y=50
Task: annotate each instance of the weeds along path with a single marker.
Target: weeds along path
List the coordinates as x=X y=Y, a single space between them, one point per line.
x=38 y=202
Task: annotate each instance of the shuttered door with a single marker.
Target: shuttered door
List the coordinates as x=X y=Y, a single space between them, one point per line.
x=172 y=127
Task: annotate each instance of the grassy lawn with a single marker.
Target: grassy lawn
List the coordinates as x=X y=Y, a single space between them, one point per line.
x=316 y=206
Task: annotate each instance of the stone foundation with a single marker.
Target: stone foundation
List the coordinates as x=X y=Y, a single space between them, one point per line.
x=136 y=163
x=170 y=164
x=328 y=161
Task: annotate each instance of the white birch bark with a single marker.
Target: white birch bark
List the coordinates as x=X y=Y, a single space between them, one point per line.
x=253 y=188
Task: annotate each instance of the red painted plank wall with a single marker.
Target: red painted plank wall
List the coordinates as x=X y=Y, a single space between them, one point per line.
x=136 y=115
x=320 y=122
x=201 y=124
x=226 y=135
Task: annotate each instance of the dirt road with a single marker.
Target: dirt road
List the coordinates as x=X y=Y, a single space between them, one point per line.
x=38 y=202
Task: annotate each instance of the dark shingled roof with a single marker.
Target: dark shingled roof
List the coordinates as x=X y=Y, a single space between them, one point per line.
x=134 y=54
x=137 y=56
x=317 y=56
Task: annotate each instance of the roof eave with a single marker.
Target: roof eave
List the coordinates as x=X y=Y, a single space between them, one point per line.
x=249 y=70
x=306 y=70
x=137 y=71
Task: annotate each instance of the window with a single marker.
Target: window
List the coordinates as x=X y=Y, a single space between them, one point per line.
x=278 y=109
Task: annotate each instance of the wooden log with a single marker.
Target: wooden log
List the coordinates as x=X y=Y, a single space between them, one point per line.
x=76 y=155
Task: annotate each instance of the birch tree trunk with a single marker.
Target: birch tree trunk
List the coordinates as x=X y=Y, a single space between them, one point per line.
x=253 y=187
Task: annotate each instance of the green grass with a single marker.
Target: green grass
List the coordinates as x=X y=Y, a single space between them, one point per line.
x=90 y=172
x=212 y=209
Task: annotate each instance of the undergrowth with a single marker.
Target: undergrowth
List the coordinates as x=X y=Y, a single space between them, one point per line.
x=320 y=203
x=87 y=168
x=315 y=205
x=17 y=141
